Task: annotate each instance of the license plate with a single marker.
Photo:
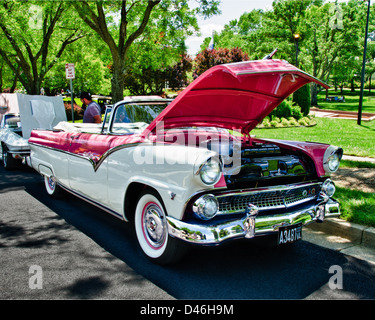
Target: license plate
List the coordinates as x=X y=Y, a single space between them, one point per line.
x=290 y=234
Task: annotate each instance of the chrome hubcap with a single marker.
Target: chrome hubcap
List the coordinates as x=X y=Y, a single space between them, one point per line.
x=154 y=225
x=51 y=183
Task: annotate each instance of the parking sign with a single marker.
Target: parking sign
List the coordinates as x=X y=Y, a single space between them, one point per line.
x=69 y=70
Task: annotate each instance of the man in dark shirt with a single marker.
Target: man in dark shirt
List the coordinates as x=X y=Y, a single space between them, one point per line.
x=92 y=113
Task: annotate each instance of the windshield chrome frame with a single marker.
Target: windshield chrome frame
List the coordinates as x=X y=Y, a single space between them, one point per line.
x=114 y=108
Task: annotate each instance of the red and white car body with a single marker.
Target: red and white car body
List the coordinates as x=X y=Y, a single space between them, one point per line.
x=188 y=170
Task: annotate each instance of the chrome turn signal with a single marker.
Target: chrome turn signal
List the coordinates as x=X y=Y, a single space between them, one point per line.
x=206 y=206
x=328 y=188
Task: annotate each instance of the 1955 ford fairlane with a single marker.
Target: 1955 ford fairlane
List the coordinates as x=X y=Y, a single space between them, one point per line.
x=188 y=170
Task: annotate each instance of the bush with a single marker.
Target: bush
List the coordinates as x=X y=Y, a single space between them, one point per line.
x=284 y=109
x=296 y=112
x=303 y=122
x=209 y=58
x=285 y=122
x=275 y=121
x=78 y=111
x=266 y=122
x=302 y=98
x=292 y=121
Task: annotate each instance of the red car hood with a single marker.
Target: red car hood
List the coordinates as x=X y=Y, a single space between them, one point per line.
x=234 y=96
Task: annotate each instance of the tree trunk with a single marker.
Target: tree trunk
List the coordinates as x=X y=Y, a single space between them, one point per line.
x=117 y=81
x=314 y=94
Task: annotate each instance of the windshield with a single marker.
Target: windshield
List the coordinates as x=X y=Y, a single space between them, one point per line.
x=134 y=117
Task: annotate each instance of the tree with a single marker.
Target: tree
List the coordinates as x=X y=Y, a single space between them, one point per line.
x=302 y=98
x=134 y=16
x=327 y=39
x=33 y=46
x=242 y=33
x=288 y=19
x=143 y=81
x=91 y=63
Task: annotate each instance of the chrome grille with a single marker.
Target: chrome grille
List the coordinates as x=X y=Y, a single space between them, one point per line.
x=273 y=198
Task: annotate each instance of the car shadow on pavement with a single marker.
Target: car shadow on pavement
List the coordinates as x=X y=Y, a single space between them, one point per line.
x=237 y=270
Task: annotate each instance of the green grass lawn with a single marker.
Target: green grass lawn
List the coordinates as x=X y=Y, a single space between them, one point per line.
x=354 y=139
x=351 y=101
x=356 y=206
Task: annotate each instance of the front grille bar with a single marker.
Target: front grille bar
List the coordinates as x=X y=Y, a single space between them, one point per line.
x=268 y=198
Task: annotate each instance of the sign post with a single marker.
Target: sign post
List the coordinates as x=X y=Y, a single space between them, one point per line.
x=70 y=74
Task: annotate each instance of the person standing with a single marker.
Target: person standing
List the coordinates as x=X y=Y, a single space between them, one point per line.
x=92 y=113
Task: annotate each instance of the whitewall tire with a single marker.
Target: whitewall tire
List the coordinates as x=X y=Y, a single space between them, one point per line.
x=152 y=230
x=52 y=187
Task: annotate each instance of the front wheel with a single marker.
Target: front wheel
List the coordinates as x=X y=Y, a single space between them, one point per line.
x=152 y=230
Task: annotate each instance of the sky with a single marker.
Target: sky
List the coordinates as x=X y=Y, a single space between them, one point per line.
x=230 y=10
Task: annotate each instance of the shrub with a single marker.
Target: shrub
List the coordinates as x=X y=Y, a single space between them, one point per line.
x=285 y=122
x=296 y=112
x=274 y=122
x=266 y=122
x=302 y=98
x=284 y=109
x=292 y=121
x=78 y=111
x=209 y=58
x=303 y=122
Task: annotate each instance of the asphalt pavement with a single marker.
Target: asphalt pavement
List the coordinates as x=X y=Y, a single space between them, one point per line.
x=69 y=250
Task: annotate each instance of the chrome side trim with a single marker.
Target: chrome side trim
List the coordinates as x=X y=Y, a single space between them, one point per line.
x=94 y=164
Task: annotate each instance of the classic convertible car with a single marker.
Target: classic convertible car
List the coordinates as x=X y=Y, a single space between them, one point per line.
x=188 y=170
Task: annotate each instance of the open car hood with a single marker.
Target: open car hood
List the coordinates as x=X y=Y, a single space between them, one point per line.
x=36 y=112
x=234 y=96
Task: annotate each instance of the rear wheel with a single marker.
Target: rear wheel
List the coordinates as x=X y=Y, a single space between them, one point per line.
x=152 y=230
x=52 y=187
x=8 y=161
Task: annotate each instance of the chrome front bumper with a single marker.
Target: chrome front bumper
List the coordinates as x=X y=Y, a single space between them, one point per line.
x=249 y=225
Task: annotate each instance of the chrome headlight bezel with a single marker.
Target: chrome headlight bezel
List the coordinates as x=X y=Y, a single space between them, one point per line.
x=210 y=171
x=328 y=188
x=331 y=159
x=206 y=207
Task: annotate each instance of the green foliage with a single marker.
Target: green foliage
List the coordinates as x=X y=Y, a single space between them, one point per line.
x=296 y=112
x=146 y=80
x=284 y=109
x=34 y=35
x=302 y=98
x=287 y=109
x=173 y=19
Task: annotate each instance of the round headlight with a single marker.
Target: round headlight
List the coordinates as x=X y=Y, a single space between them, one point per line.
x=334 y=162
x=328 y=187
x=332 y=158
x=206 y=207
x=210 y=171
